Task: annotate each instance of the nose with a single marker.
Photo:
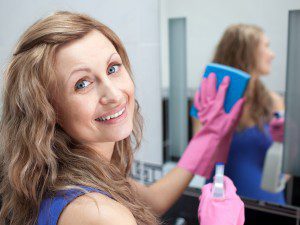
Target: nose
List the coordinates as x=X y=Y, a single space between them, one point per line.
x=110 y=93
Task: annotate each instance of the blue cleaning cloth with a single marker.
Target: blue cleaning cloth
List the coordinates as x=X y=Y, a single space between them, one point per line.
x=238 y=82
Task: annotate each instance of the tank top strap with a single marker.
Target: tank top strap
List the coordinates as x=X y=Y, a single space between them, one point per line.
x=52 y=206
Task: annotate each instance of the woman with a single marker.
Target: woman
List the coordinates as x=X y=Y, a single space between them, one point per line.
x=69 y=119
x=246 y=47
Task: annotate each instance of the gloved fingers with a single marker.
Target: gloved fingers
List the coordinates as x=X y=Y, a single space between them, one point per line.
x=277 y=131
x=203 y=92
x=211 y=87
x=221 y=94
x=277 y=120
x=205 y=114
x=197 y=99
x=206 y=190
x=202 y=118
x=237 y=110
x=208 y=89
x=277 y=123
x=278 y=137
x=230 y=189
x=241 y=217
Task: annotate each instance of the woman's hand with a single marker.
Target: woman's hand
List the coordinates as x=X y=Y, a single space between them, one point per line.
x=208 y=103
x=277 y=129
x=226 y=211
x=211 y=143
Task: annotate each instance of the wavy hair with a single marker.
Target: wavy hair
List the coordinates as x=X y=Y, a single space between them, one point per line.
x=238 y=48
x=37 y=156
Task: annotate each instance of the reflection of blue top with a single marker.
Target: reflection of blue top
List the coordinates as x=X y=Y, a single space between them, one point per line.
x=246 y=160
x=52 y=207
x=245 y=163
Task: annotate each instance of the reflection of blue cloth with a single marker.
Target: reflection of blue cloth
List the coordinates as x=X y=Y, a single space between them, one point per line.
x=193 y=112
x=246 y=160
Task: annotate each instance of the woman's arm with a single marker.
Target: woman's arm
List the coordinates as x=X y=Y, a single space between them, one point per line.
x=161 y=195
x=208 y=146
x=95 y=209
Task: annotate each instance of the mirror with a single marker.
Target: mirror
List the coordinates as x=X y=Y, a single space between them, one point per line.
x=190 y=33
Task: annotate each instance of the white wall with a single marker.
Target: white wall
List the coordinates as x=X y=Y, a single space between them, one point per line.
x=137 y=24
x=207 y=20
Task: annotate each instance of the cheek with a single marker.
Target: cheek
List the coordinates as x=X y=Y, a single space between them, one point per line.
x=263 y=61
x=265 y=64
x=126 y=86
x=131 y=89
x=76 y=113
x=128 y=90
x=267 y=60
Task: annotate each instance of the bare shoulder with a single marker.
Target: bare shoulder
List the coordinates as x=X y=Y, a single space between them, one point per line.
x=278 y=101
x=96 y=209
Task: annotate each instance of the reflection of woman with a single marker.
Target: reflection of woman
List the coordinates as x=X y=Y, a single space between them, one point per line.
x=246 y=47
x=69 y=116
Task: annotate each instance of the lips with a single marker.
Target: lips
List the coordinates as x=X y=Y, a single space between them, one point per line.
x=116 y=115
x=118 y=111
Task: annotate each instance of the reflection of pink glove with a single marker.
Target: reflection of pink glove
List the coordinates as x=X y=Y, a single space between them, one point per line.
x=277 y=129
x=226 y=211
x=203 y=151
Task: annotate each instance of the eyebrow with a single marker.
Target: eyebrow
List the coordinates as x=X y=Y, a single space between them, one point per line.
x=86 y=69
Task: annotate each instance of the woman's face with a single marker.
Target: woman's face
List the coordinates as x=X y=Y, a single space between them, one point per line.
x=95 y=97
x=264 y=56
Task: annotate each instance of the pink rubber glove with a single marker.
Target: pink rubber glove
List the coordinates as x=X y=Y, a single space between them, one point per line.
x=205 y=105
x=204 y=149
x=226 y=211
x=277 y=129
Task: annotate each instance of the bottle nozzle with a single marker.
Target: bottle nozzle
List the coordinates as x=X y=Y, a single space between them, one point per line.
x=218 y=186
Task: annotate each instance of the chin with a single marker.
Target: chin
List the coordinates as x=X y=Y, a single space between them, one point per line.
x=121 y=135
x=266 y=73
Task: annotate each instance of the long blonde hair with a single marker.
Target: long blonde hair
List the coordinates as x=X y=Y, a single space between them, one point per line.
x=37 y=156
x=238 y=48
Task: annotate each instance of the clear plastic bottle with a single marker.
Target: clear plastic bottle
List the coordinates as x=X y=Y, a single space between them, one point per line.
x=272 y=177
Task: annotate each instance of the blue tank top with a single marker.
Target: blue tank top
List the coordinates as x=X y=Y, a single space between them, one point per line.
x=245 y=163
x=52 y=207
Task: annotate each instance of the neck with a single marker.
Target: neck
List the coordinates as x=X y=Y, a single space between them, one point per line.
x=105 y=149
x=255 y=74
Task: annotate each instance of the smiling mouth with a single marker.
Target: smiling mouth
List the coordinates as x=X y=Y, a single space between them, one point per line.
x=115 y=115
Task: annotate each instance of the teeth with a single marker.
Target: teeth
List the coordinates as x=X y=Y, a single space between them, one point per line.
x=117 y=114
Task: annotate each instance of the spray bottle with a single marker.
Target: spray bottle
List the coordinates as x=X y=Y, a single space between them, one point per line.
x=272 y=177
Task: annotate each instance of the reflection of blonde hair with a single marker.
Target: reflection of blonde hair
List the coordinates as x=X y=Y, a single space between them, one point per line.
x=238 y=48
x=37 y=156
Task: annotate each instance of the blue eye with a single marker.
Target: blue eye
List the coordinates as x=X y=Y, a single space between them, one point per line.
x=82 y=84
x=113 y=69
